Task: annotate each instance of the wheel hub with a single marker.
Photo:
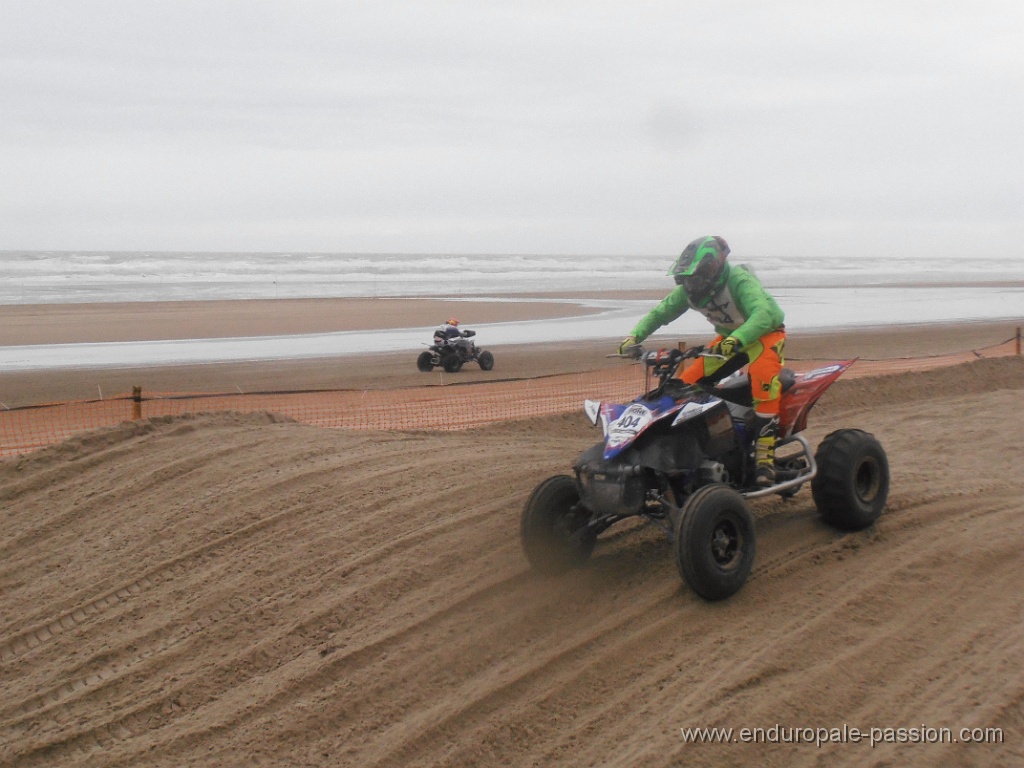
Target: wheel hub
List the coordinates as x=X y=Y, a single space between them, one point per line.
x=867 y=480
x=725 y=543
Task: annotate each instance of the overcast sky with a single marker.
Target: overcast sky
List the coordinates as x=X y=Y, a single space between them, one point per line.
x=575 y=126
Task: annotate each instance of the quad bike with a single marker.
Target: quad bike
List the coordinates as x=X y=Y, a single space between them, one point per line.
x=682 y=456
x=451 y=353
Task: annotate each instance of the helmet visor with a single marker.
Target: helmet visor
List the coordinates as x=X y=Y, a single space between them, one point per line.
x=699 y=277
x=685 y=265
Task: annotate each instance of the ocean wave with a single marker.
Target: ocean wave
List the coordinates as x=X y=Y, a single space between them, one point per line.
x=58 y=276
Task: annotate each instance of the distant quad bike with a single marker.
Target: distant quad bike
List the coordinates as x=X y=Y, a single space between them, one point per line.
x=452 y=353
x=682 y=456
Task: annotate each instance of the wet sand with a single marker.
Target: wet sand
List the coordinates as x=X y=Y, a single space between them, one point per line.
x=49 y=324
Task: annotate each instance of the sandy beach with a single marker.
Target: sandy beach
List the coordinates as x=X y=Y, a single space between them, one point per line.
x=236 y=590
x=52 y=324
x=142 y=321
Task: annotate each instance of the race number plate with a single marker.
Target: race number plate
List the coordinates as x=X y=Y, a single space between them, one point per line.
x=631 y=423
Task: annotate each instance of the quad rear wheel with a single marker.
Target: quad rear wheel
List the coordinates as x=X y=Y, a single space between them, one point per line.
x=451 y=364
x=852 y=484
x=552 y=527
x=714 y=542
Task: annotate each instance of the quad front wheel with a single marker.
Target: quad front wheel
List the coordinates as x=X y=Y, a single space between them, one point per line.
x=486 y=361
x=553 y=527
x=852 y=484
x=714 y=542
x=424 y=362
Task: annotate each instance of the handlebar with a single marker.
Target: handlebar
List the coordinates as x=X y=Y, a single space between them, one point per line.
x=636 y=352
x=663 y=363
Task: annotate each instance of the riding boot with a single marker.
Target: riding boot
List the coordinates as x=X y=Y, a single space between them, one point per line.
x=767 y=429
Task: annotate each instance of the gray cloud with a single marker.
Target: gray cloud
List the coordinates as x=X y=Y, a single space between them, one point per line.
x=792 y=127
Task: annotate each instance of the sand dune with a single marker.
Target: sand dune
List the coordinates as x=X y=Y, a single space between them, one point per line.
x=238 y=590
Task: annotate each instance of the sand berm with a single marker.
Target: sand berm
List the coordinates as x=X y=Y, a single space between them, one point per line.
x=239 y=590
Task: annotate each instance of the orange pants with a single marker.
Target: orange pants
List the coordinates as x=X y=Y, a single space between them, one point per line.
x=766 y=360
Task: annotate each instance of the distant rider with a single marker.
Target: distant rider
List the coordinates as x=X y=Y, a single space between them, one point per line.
x=451 y=335
x=450 y=330
x=749 y=324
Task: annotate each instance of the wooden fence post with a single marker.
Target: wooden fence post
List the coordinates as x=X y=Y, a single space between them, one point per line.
x=136 y=403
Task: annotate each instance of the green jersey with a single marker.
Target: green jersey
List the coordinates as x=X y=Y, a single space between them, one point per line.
x=741 y=308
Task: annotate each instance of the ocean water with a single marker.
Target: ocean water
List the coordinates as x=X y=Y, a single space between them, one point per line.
x=817 y=293
x=28 y=277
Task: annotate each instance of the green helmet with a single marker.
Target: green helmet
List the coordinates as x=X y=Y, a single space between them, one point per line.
x=701 y=267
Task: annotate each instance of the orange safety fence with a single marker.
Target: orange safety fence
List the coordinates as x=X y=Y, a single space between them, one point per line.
x=436 y=407
x=442 y=408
